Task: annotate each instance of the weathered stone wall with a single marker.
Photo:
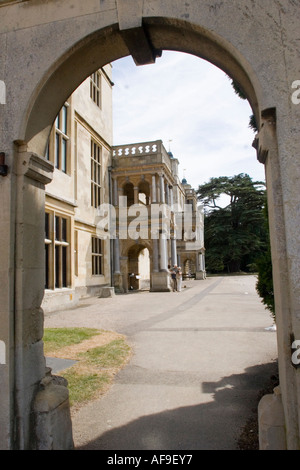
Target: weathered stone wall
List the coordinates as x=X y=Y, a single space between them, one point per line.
x=46 y=50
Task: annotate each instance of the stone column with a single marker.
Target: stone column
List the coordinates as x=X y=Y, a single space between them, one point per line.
x=117 y=276
x=198 y=262
x=7 y=227
x=35 y=415
x=167 y=195
x=171 y=197
x=160 y=277
x=163 y=253
x=162 y=189
x=200 y=266
x=116 y=256
x=136 y=195
x=154 y=197
x=115 y=191
x=155 y=256
x=202 y=262
x=173 y=251
x=179 y=260
x=280 y=190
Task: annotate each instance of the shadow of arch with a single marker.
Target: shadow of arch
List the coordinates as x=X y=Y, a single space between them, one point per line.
x=198 y=427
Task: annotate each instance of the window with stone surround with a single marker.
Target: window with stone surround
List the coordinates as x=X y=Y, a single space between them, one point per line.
x=96 y=174
x=58 y=148
x=57 y=251
x=97 y=255
x=95 y=88
x=61 y=139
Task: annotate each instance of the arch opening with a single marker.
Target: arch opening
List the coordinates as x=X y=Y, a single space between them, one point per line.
x=128 y=192
x=138 y=268
x=106 y=46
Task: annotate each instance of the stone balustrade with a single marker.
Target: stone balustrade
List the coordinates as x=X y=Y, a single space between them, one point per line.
x=139 y=149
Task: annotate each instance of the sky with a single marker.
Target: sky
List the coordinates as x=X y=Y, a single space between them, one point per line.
x=190 y=105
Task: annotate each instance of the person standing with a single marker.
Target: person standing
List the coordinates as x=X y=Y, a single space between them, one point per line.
x=174 y=278
x=179 y=279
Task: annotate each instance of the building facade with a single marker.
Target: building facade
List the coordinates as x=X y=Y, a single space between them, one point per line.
x=81 y=258
x=157 y=219
x=139 y=183
x=77 y=258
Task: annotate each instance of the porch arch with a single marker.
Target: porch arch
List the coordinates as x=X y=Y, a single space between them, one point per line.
x=106 y=45
x=83 y=40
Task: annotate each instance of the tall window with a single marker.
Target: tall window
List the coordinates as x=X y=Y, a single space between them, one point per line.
x=97 y=267
x=95 y=88
x=96 y=177
x=56 y=251
x=61 y=140
x=61 y=245
x=47 y=250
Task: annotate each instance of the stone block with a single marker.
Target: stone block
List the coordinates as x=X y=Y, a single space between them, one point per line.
x=200 y=275
x=161 y=282
x=53 y=428
x=106 y=292
x=272 y=435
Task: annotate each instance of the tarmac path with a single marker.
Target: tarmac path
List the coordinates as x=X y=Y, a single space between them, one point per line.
x=200 y=357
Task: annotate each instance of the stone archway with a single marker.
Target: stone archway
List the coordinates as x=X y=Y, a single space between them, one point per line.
x=51 y=51
x=138 y=267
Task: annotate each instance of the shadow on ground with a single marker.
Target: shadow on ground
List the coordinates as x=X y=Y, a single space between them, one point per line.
x=215 y=425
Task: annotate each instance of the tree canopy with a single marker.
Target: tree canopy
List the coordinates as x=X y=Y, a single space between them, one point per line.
x=235 y=232
x=238 y=91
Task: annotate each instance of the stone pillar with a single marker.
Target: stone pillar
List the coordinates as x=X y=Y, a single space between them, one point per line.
x=154 y=197
x=33 y=172
x=178 y=260
x=162 y=189
x=115 y=192
x=7 y=234
x=117 y=276
x=163 y=253
x=279 y=222
x=136 y=195
x=200 y=266
x=171 y=197
x=173 y=251
x=155 y=256
x=116 y=256
x=167 y=194
x=198 y=261
x=160 y=278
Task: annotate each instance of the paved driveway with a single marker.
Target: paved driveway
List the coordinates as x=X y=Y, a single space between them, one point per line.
x=200 y=358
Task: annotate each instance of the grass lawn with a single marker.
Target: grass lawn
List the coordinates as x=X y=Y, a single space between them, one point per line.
x=99 y=354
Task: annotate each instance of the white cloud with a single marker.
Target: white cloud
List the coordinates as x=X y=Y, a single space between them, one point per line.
x=191 y=102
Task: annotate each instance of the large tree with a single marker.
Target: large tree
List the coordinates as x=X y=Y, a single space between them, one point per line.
x=235 y=232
